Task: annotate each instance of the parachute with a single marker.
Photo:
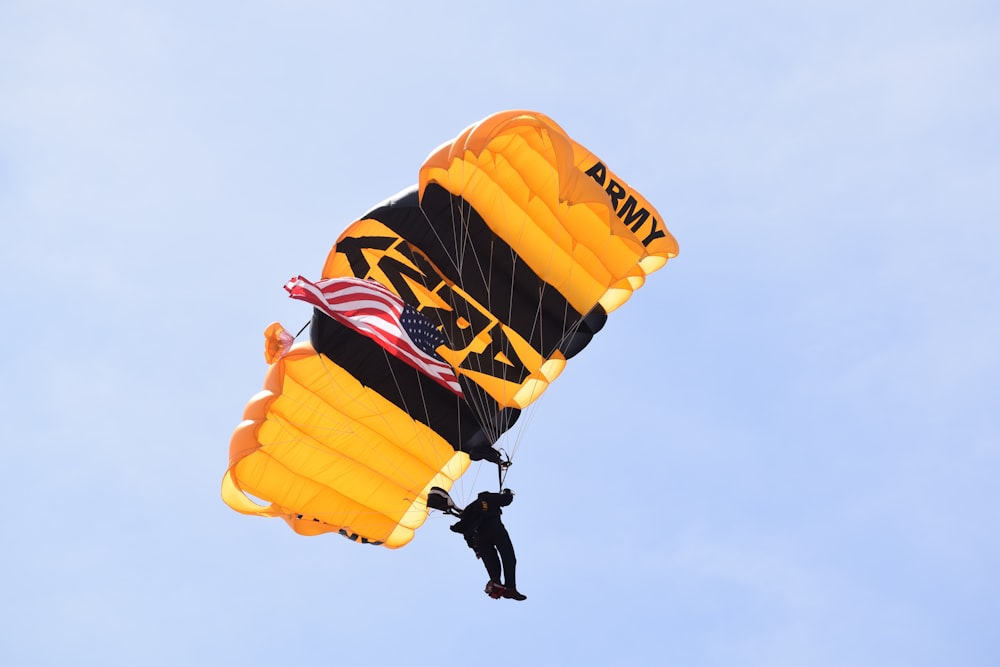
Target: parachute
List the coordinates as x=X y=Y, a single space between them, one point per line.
x=439 y=315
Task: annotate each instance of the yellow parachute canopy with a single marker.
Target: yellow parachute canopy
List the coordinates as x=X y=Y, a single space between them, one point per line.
x=514 y=246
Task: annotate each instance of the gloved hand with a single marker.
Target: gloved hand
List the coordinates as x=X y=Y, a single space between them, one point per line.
x=507 y=492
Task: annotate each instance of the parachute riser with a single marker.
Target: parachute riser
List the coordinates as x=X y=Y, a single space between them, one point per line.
x=502 y=466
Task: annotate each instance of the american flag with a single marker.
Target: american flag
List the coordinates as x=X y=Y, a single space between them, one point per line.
x=374 y=311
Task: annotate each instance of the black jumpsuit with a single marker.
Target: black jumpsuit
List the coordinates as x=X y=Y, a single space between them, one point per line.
x=485 y=532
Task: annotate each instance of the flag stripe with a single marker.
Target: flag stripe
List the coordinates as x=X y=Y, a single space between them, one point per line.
x=373 y=311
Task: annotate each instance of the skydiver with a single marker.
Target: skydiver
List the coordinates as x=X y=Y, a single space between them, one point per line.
x=486 y=535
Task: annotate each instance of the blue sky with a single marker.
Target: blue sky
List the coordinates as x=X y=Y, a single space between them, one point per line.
x=782 y=451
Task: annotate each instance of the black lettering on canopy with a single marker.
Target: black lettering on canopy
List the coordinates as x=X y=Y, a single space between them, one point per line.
x=654 y=233
x=599 y=173
x=617 y=192
x=633 y=219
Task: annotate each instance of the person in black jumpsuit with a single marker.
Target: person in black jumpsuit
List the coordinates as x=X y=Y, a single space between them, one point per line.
x=485 y=534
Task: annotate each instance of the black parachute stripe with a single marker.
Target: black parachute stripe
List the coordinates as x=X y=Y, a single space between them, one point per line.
x=580 y=337
x=441 y=410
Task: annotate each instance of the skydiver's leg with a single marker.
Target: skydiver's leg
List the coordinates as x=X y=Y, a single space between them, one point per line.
x=506 y=549
x=487 y=551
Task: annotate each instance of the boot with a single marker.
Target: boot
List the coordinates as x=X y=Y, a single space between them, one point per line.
x=512 y=594
x=494 y=590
